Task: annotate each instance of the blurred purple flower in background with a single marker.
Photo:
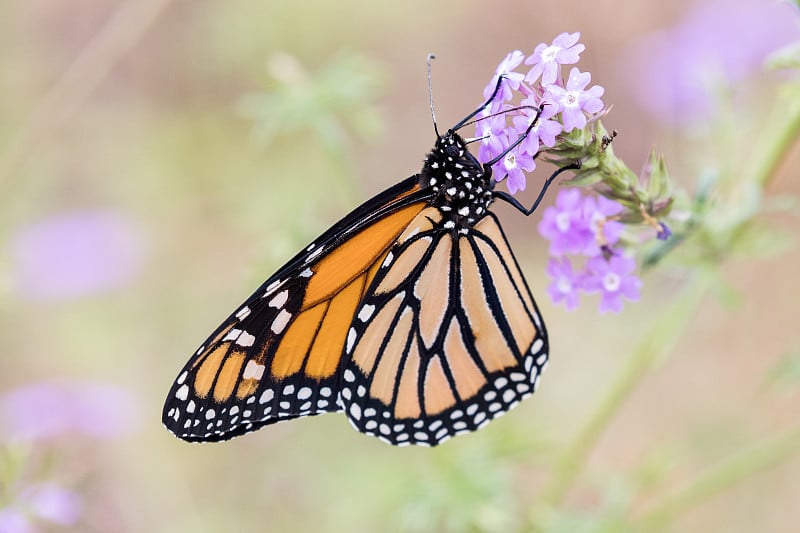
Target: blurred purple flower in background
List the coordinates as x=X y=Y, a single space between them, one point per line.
x=44 y=502
x=48 y=409
x=53 y=503
x=75 y=254
x=716 y=45
x=13 y=520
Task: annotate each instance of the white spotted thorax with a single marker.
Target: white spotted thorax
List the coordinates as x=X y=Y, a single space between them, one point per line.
x=463 y=187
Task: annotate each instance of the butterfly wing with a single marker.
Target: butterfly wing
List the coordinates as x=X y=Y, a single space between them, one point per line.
x=447 y=338
x=278 y=356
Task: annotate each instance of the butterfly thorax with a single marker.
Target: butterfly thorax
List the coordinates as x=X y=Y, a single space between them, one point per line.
x=462 y=186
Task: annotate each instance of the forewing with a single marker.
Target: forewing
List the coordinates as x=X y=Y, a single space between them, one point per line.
x=447 y=337
x=278 y=356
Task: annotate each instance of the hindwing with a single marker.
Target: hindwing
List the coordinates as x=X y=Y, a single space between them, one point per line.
x=447 y=337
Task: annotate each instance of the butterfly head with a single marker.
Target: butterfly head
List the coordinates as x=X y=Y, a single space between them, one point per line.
x=462 y=184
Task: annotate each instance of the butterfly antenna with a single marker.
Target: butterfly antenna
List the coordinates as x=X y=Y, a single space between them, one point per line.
x=431 y=57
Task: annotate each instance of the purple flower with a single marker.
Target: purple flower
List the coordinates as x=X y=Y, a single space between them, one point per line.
x=547 y=60
x=48 y=409
x=597 y=212
x=54 y=504
x=565 y=225
x=614 y=278
x=664 y=232
x=543 y=132
x=566 y=283
x=514 y=165
x=75 y=254
x=573 y=100
x=512 y=79
x=13 y=520
x=492 y=132
x=679 y=71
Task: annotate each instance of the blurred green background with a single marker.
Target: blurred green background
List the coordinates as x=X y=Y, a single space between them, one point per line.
x=158 y=160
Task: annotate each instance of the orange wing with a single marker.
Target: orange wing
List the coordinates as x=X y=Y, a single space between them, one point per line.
x=278 y=356
x=447 y=338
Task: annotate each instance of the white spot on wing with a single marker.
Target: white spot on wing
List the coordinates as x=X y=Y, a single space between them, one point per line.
x=243 y=313
x=279 y=324
x=304 y=393
x=314 y=254
x=245 y=339
x=279 y=299
x=266 y=396
x=366 y=312
x=253 y=370
x=536 y=346
x=271 y=287
x=307 y=273
x=351 y=339
x=182 y=393
x=232 y=335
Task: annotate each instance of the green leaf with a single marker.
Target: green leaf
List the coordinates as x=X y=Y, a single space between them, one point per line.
x=786 y=372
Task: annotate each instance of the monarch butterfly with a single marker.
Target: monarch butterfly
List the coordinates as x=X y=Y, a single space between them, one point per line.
x=410 y=314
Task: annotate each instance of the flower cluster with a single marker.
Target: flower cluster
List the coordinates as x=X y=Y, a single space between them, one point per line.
x=540 y=113
x=40 y=417
x=586 y=226
x=561 y=107
x=45 y=504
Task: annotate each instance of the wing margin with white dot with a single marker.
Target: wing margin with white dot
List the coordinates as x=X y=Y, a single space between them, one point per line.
x=442 y=348
x=268 y=362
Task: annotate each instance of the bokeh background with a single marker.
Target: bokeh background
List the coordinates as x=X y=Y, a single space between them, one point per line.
x=159 y=159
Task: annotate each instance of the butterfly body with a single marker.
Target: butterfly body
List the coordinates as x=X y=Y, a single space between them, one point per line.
x=411 y=315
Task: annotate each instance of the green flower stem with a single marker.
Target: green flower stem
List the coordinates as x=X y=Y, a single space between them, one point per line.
x=767 y=157
x=656 y=344
x=741 y=466
x=778 y=139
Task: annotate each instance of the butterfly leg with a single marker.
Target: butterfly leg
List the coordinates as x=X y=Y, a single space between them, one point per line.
x=526 y=211
x=488 y=166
